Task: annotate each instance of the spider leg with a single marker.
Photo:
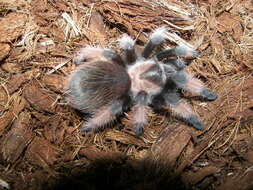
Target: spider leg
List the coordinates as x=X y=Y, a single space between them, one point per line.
x=189 y=83
x=127 y=44
x=103 y=117
x=178 y=51
x=182 y=109
x=156 y=38
x=89 y=53
x=178 y=63
x=138 y=116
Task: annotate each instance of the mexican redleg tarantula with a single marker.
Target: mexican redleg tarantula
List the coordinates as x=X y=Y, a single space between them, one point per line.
x=104 y=84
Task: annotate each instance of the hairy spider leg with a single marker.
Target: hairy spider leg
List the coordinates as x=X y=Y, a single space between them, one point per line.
x=104 y=116
x=155 y=40
x=129 y=54
x=178 y=63
x=90 y=53
x=189 y=83
x=182 y=110
x=138 y=116
x=178 y=51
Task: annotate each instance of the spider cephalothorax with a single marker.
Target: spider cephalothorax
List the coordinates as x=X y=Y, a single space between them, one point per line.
x=105 y=84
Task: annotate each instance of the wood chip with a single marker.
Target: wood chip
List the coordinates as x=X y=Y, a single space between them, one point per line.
x=195 y=177
x=17 y=138
x=124 y=138
x=4 y=50
x=41 y=100
x=12 y=26
x=42 y=153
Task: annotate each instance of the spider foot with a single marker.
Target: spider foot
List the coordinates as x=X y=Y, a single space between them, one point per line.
x=193 y=121
x=139 y=129
x=180 y=64
x=208 y=95
x=185 y=51
x=87 y=128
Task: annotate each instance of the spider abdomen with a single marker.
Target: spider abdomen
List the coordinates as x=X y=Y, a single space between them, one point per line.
x=96 y=84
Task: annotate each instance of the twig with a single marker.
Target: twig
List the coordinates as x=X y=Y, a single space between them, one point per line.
x=57 y=67
x=4 y=184
x=191 y=27
x=178 y=40
x=72 y=23
x=90 y=12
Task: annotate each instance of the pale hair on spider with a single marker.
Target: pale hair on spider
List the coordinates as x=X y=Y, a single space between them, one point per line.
x=105 y=84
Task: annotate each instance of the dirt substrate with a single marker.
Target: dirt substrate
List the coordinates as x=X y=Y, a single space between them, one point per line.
x=40 y=144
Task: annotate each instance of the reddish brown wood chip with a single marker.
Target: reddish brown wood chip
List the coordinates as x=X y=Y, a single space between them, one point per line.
x=54 y=130
x=124 y=138
x=39 y=98
x=16 y=106
x=54 y=82
x=230 y=23
x=42 y=153
x=18 y=138
x=94 y=154
x=244 y=182
x=12 y=26
x=194 y=177
x=11 y=67
x=170 y=145
x=3 y=98
x=16 y=81
x=4 y=50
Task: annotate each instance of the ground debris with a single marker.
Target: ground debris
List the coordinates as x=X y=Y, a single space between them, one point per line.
x=54 y=82
x=4 y=50
x=195 y=177
x=231 y=24
x=40 y=141
x=15 y=105
x=12 y=26
x=243 y=182
x=41 y=100
x=42 y=153
x=54 y=129
x=15 y=81
x=129 y=15
x=94 y=154
x=18 y=138
x=170 y=145
x=124 y=138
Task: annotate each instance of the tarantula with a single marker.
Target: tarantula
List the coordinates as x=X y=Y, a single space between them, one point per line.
x=106 y=84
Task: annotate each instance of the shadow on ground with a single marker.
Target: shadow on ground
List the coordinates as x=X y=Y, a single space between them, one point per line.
x=115 y=174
